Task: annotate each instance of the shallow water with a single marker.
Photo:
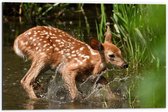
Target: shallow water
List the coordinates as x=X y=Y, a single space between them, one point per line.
x=14 y=97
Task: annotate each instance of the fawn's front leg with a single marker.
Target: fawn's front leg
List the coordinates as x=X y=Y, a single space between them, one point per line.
x=99 y=67
x=69 y=78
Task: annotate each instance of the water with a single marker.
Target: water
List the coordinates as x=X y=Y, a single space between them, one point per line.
x=47 y=87
x=14 y=97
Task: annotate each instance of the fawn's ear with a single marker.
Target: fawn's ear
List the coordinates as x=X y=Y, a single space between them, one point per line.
x=108 y=34
x=96 y=45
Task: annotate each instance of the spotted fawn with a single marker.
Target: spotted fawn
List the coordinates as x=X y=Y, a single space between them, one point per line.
x=48 y=47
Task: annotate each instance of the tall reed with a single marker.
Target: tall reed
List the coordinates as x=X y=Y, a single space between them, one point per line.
x=129 y=26
x=101 y=27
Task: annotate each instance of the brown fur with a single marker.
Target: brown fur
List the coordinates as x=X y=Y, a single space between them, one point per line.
x=49 y=47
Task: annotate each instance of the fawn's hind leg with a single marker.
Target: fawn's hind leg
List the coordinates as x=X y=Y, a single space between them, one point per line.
x=28 y=80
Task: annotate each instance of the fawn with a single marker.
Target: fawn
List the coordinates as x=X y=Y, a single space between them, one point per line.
x=48 y=47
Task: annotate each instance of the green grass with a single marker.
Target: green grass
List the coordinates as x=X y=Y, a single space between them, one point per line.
x=139 y=30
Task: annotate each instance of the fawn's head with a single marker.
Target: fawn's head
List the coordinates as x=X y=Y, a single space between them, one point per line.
x=111 y=52
x=113 y=55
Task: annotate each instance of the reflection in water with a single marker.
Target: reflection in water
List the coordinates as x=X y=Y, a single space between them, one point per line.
x=40 y=103
x=54 y=105
x=29 y=104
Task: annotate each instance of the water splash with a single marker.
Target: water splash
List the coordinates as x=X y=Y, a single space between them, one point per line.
x=56 y=89
x=92 y=92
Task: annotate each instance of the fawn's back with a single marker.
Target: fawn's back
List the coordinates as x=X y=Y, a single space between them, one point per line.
x=56 y=44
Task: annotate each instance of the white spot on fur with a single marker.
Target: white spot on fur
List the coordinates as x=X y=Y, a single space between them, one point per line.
x=29 y=33
x=73 y=51
x=68 y=50
x=34 y=39
x=84 y=56
x=56 y=49
x=35 y=32
x=78 y=61
x=73 y=55
x=60 y=35
x=69 y=57
x=53 y=37
x=47 y=37
x=34 y=44
x=77 y=51
x=79 y=55
x=81 y=48
x=68 y=54
x=45 y=45
x=46 y=27
x=72 y=48
x=50 y=33
x=62 y=43
x=57 y=40
x=37 y=48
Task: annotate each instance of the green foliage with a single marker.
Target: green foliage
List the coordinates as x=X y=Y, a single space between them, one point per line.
x=139 y=30
x=34 y=12
x=101 y=27
x=141 y=33
x=135 y=28
x=152 y=89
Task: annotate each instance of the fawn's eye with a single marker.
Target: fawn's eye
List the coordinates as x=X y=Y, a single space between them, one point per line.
x=111 y=55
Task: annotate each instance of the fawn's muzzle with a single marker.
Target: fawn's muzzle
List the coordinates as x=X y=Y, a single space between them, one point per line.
x=125 y=65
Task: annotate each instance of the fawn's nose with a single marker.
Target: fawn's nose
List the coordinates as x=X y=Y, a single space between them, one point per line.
x=125 y=65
